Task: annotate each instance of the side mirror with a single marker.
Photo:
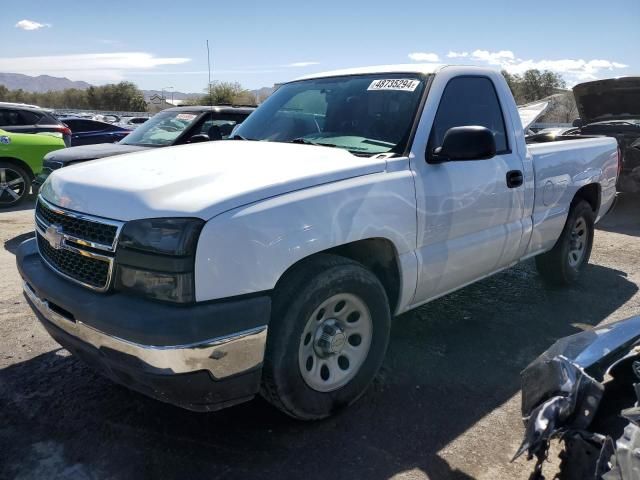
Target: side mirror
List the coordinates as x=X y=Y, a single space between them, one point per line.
x=465 y=143
x=200 y=137
x=578 y=123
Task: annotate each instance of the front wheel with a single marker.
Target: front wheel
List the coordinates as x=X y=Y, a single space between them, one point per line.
x=15 y=184
x=327 y=337
x=563 y=264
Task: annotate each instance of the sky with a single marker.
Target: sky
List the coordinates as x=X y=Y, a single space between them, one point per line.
x=161 y=44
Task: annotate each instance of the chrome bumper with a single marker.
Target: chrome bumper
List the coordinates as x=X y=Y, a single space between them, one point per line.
x=222 y=357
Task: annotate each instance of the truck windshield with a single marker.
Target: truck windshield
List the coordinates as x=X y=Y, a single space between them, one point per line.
x=365 y=114
x=161 y=130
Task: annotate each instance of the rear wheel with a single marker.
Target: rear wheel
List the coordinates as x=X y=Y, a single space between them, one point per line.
x=327 y=337
x=563 y=264
x=15 y=184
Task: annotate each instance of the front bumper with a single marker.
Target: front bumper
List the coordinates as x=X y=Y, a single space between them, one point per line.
x=201 y=357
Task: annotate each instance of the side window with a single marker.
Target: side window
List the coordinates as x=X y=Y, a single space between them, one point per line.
x=72 y=124
x=90 y=126
x=469 y=101
x=10 y=118
x=29 y=118
x=80 y=126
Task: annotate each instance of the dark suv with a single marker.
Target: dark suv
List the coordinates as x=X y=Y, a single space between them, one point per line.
x=19 y=118
x=173 y=126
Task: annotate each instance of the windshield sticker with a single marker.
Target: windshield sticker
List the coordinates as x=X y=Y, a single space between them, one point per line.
x=185 y=116
x=398 y=84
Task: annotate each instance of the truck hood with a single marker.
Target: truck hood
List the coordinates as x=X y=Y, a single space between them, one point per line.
x=611 y=99
x=200 y=180
x=90 y=152
x=530 y=112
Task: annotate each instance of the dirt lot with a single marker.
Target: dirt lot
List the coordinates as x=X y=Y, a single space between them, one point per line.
x=446 y=404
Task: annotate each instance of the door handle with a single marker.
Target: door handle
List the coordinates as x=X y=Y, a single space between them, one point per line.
x=514 y=178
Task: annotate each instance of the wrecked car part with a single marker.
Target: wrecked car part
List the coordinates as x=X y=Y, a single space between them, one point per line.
x=562 y=389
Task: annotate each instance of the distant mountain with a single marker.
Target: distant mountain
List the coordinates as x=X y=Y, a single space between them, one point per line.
x=39 y=84
x=45 y=83
x=263 y=93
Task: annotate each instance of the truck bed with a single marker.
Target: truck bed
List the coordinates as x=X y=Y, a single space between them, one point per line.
x=560 y=169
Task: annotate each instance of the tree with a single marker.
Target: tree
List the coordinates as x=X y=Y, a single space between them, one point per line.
x=123 y=96
x=533 y=85
x=230 y=93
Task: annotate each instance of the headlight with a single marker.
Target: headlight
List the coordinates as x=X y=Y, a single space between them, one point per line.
x=168 y=236
x=155 y=258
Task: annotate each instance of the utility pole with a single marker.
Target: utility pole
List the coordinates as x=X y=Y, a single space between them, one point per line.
x=209 y=68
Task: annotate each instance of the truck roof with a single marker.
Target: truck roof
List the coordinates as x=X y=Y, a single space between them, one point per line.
x=420 y=68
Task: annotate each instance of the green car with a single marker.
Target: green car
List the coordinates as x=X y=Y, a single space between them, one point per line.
x=21 y=157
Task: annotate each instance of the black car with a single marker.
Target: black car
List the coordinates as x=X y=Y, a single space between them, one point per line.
x=19 y=118
x=173 y=126
x=611 y=107
x=85 y=131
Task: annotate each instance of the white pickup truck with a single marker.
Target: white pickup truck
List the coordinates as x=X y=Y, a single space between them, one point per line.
x=274 y=262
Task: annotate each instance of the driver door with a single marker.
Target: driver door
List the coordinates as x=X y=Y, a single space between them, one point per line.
x=469 y=219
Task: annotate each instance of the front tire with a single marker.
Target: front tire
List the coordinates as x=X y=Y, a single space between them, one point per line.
x=15 y=184
x=563 y=264
x=327 y=339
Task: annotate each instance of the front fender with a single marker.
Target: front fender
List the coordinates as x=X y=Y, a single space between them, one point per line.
x=246 y=250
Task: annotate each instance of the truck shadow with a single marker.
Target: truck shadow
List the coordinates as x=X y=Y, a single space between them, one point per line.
x=624 y=217
x=449 y=364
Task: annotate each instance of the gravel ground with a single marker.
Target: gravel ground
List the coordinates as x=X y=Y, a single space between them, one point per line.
x=445 y=405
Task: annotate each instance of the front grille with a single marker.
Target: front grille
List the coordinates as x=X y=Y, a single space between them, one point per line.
x=80 y=228
x=79 y=246
x=79 y=267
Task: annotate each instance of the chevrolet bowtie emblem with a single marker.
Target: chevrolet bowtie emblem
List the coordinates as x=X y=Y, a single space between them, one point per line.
x=54 y=236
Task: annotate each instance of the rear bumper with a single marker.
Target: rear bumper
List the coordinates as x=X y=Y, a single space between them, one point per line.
x=202 y=359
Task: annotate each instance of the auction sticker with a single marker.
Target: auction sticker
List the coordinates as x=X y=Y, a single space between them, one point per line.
x=398 y=84
x=186 y=116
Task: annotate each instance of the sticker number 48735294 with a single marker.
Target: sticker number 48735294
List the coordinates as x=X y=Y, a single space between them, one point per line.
x=401 y=84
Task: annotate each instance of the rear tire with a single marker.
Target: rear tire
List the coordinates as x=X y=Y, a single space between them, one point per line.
x=15 y=184
x=327 y=338
x=563 y=264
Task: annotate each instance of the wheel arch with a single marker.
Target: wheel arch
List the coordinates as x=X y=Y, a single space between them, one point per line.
x=377 y=254
x=591 y=193
x=20 y=163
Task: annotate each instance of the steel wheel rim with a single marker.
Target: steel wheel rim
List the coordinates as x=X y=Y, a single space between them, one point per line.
x=578 y=242
x=335 y=342
x=12 y=186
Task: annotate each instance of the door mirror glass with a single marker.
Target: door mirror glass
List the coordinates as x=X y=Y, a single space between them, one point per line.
x=465 y=143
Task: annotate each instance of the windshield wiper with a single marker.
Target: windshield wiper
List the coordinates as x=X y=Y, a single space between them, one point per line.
x=304 y=141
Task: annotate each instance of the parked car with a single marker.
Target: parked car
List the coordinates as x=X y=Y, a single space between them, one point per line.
x=173 y=126
x=582 y=392
x=18 y=118
x=21 y=157
x=132 y=122
x=611 y=107
x=273 y=262
x=90 y=132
